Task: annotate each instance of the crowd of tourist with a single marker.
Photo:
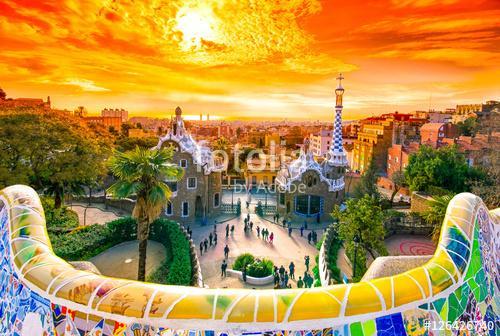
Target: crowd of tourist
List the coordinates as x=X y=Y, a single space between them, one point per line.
x=210 y=241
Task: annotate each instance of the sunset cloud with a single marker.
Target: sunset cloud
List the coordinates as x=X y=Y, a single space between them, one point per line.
x=260 y=57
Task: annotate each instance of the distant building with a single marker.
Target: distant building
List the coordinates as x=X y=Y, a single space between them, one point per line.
x=23 y=102
x=398 y=157
x=432 y=134
x=483 y=111
x=321 y=142
x=476 y=149
x=272 y=139
x=307 y=188
x=377 y=134
x=121 y=113
x=261 y=171
x=373 y=142
x=198 y=195
x=114 y=122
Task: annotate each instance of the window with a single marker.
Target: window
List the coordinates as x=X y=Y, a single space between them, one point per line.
x=183 y=163
x=169 y=211
x=185 y=209
x=266 y=180
x=216 y=200
x=308 y=204
x=282 y=198
x=172 y=185
x=191 y=183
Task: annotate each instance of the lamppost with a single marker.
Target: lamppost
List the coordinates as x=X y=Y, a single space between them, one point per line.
x=265 y=191
x=85 y=216
x=232 y=195
x=356 y=242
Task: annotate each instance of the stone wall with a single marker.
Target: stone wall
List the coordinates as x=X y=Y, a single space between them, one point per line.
x=419 y=202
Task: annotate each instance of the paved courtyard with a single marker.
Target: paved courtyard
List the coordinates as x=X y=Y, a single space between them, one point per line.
x=400 y=244
x=121 y=261
x=95 y=214
x=284 y=249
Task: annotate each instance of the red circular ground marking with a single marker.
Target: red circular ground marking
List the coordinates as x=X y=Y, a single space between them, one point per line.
x=412 y=247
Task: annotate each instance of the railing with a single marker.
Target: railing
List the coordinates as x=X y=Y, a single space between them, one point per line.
x=229 y=208
x=40 y=292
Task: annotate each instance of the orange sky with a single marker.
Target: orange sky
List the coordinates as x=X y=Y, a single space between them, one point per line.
x=256 y=59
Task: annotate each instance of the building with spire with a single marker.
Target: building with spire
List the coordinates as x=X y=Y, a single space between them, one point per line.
x=309 y=188
x=197 y=196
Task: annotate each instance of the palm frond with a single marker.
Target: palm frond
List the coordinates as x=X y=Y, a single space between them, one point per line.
x=125 y=188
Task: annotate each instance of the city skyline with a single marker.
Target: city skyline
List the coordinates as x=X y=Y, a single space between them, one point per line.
x=233 y=61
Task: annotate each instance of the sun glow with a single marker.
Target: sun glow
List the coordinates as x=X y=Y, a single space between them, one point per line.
x=196 y=26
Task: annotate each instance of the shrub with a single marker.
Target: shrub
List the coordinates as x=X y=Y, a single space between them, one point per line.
x=332 y=252
x=243 y=260
x=260 y=268
x=179 y=271
x=60 y=219
x=84 y=243
x=81 y=244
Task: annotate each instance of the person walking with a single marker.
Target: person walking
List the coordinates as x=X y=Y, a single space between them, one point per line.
x=226 y=252
x=215 y=238
x=289 y=231
x=309 y=237
x=227 y=230
x=302 y=231
x=271 y=237
x=281 y=270
x=251 y=225
x=201 y=248
x=258 y=231
x=276 y=278
x=223 y=268
x=205 y=243
x=306 y=261
x=314 y=237
x=232 y=229
x=210 y=238
x=300 y=283
x=291 y=268
x=286 y=278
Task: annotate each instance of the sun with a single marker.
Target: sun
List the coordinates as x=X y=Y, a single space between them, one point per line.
x=195 y=25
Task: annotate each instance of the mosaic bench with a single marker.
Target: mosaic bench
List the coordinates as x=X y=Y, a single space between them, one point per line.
x=41 y=294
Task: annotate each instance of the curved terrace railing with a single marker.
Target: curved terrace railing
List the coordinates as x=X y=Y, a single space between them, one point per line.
x=41 y=292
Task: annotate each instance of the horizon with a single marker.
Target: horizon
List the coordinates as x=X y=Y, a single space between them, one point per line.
x=220 y=57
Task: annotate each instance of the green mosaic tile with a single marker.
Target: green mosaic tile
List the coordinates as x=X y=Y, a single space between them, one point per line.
x=369 y=328
x=356 y=329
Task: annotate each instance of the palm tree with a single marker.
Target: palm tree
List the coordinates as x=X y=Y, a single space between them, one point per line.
x=143 y=172
x=435 y=214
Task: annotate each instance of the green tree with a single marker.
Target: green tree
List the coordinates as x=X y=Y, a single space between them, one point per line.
x=53 y=152
x=468 y=127
x=362 y=220
x=368 y=183
x=443 y=168
x=124 y=144
x=142 y=172
x=488 y=188
x=435 y=214
x=398 y=179
x=222 y=144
